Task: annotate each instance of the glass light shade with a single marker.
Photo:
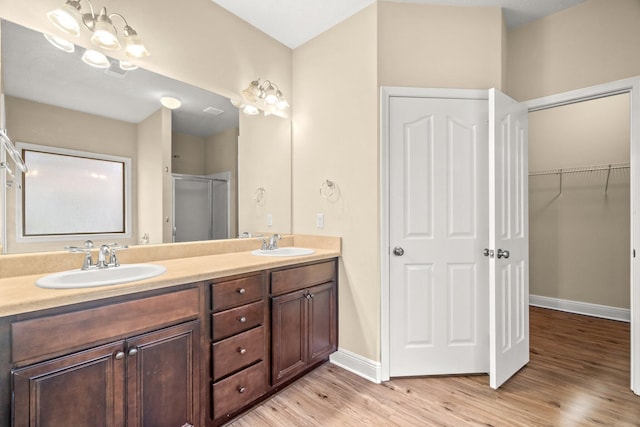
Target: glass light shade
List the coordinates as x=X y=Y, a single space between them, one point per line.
x=127 y=66
x=250 y=110
x=170 y=102
x=271 y=98
x=282 y=104
x=133 y=44
x=237 y=104
x=104 y=34
x=60 y=43
x=67 y=18
x=95 y=59
x=252 y=91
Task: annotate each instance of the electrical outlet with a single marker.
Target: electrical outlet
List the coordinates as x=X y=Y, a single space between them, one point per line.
x=320 y=220
x=269 y=220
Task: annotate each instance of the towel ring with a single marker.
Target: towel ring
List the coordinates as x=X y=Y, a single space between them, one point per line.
x=259 y=196
x=327 y=189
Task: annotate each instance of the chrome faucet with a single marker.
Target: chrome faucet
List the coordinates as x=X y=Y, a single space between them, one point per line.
x=107 y=256
x=273 y=242
x=103 y=253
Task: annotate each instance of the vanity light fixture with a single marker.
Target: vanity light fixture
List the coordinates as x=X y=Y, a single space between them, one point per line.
x=265 y=96
x=69 y=16
x=127 y=66
x=170 y=102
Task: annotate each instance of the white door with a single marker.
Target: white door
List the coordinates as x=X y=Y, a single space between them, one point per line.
x=439 y=290
x=509 y=237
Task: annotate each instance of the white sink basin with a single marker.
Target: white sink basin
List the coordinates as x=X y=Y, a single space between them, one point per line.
x=100 y=276
x=290 y=251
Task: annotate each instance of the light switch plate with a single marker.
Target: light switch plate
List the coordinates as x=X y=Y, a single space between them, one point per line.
x=320 y=220
x=269 y=220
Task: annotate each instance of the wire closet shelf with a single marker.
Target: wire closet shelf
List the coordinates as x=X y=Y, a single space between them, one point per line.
x=583 y=169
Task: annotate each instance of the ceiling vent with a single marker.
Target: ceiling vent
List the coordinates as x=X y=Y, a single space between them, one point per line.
x=214 y=111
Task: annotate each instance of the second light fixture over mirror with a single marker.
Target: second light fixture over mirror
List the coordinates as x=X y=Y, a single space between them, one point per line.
x=265 y=96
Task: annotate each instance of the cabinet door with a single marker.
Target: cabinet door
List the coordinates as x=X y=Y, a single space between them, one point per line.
x=289 y=335
x=322 y=322
x=81 y=389
x=162 y=377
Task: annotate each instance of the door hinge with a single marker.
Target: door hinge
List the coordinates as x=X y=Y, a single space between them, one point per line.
x=634 y=253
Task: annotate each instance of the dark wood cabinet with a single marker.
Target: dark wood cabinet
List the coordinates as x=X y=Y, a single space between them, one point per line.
x=304 y=322
x=147 y=376
x=81 y=389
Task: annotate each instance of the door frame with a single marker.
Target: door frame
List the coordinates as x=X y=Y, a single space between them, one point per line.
x=632 y=87
x=386 y=93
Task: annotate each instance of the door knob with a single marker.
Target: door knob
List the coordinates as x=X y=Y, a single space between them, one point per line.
x=503 y=254
x=398 y=251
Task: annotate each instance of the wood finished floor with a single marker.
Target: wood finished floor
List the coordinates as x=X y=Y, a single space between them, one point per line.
x=578 y=376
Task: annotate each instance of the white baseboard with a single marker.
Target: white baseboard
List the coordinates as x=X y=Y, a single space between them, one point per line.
x=595 y=310
x=352 y=362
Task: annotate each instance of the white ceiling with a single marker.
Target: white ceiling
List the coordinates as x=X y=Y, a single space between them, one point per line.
x=294 y=22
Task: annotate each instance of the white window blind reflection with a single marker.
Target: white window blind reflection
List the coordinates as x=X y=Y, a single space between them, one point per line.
x=66 y=194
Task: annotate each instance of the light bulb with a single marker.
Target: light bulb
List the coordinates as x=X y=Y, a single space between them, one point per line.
x=95 y=59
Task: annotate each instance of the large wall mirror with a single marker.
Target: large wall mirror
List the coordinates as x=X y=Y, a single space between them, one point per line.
x=200 y=155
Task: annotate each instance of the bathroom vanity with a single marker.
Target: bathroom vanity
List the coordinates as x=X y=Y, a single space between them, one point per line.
x=167 y=351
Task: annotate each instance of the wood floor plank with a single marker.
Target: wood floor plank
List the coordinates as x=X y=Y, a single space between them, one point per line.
x=578 y=376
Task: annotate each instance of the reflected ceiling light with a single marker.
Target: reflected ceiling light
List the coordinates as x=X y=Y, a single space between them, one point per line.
x=170 y=102
x=68 y=18
x=265 y=96
x=60 y=43
x=95 y=59
x=127 y=66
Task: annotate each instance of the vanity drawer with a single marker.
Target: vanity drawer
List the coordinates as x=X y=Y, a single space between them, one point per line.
x=237 y=352
x=234 y=392
x=236 y=292
x=230 y=322
x=47 y=335
x=292 y=279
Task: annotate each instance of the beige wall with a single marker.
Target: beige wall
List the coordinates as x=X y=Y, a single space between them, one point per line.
x=264 y=161
x=595 y=42
x=335 y=137
x=335 y=126
x=579 y=241
x=151 y=174
x=187 y=154
x=439 y=46
x=43 y=124
x=221 y=155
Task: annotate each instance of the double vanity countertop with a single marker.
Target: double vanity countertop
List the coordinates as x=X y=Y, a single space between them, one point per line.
x=185 y=263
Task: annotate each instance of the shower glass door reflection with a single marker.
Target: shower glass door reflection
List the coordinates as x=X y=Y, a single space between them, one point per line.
x=200 y=208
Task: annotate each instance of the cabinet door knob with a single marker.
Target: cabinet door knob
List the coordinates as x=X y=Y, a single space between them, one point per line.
x=242 y=319
x=241 y=389
x=242 y=291
x=242 y=350
x=120 y=355
x=133 y=351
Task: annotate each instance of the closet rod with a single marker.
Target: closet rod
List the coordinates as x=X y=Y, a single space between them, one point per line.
x=595 y=168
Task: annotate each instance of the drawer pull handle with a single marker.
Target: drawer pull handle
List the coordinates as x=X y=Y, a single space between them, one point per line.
x=241 y=389
x=120 y=355
x=242 y=319
x=242 y=350
x=242 y=291
x=133 y=351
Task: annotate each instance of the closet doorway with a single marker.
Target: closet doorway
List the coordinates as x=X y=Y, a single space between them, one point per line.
x=579 y=213
x=582 y=178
